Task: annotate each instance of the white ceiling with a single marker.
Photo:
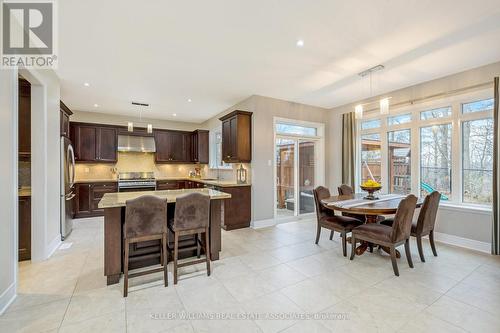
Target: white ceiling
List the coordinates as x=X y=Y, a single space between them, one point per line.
x=219 y=52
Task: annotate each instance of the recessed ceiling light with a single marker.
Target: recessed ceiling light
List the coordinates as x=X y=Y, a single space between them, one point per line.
x=190 y=100
x=86 y=84
x=96 y=105
x=300 y=43
x=174 y=114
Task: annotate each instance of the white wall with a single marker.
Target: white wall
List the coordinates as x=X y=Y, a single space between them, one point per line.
x=45 y=162
x=457 y=222
x=8 y=179
x=264 y=110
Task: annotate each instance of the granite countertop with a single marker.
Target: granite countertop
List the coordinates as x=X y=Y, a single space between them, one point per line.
x=24 y=192
x=220 y=183
x=97 y=180
x=112 y=200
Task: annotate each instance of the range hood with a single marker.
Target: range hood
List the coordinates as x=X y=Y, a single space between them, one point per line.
x=133 y=143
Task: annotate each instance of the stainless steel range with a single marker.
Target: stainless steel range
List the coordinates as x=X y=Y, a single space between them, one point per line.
x=136 y=181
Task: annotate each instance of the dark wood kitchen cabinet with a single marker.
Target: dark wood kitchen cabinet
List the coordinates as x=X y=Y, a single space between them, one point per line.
x=24 y=233
x=162 y=185
x=94 y=143
x=172 y=146
x=24 y=119
x=88 y=196
x=199 y=146
x=65 y=113
x=238 y=209
x=237 y=137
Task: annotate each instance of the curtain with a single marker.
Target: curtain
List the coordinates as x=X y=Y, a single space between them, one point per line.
x=495 y=239
x=348 y=148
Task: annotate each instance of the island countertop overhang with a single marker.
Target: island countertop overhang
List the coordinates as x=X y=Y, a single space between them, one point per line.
x=114 y=200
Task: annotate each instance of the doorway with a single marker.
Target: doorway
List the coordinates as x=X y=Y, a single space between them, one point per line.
x=299 y=168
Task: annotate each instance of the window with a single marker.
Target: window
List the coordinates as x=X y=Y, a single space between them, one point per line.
x=370 y=124
x=401 y=119
x=477 y=161
x=478 y=106
x=435 y=113
x=282 y=128
x=216 y=150
x=399 y=144
x=370 y=157
x=435 y=160
x=446 y=146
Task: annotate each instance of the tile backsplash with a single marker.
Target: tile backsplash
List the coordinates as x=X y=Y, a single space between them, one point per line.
x=145 y=162
x=24 y=175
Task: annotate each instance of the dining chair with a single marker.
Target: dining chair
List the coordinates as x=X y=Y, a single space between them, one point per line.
x=191 y=217
x=391 y=237
x=326 y=218
x=145 y=220
x=425 y=223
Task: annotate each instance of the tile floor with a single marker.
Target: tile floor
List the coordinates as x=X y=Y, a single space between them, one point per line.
x=274 y=270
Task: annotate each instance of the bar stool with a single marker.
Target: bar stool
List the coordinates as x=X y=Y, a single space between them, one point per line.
x=145 y=220
x=191 y=217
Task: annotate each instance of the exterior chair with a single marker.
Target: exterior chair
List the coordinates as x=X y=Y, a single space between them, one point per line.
x=327 y=219
x=425 y=223
x=191 y=217
x=391 y=237
x=145 y=220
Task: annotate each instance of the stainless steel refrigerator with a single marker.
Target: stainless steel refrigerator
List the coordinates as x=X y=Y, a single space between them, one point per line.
x=67 y=186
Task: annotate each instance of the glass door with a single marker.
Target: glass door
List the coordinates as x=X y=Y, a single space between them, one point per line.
x=307 y=175
x=285 y=177
x=296 y=176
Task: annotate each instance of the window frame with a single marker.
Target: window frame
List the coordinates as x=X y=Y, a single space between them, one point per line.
x=213 y=158
x=456 y=120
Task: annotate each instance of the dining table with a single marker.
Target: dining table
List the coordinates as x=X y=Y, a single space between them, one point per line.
x=385 y=204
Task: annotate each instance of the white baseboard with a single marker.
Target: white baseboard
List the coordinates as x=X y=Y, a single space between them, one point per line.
x=462 y=242
x=53 y=246
x=7 y=297
x=262 y=223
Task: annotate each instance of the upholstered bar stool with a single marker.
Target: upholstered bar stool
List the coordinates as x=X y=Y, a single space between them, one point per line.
x=191 y=217
x=145 y=220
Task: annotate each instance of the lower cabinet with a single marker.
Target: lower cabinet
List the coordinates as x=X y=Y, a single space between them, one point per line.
x=238 y=209
x=88 y=196
x=24 y=228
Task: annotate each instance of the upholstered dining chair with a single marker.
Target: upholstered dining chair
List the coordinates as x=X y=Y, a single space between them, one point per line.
x=191 y=217
x=326 y=218
x=425 y=223
x=145 y=220
x=391 y=237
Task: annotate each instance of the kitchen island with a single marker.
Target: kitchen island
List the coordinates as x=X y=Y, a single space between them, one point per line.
x=148 y=253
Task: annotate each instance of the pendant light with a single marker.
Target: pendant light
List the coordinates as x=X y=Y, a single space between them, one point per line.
x=384 y=106
x=358 y=111
x=130 y=125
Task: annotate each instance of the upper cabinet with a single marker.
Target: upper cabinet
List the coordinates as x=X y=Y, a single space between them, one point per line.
x=24 y=118
x=181 y=147
x=237 y=137
x=94 y=143
x=199 y=146
x=65 y=113
x=171 y=146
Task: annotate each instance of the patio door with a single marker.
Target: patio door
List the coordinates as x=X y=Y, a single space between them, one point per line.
x=296 y=175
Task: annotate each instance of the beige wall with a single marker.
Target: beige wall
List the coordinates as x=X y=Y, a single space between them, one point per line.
x=104 y=118
x=8 y=179
x=264 y=110
x=457 y=223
